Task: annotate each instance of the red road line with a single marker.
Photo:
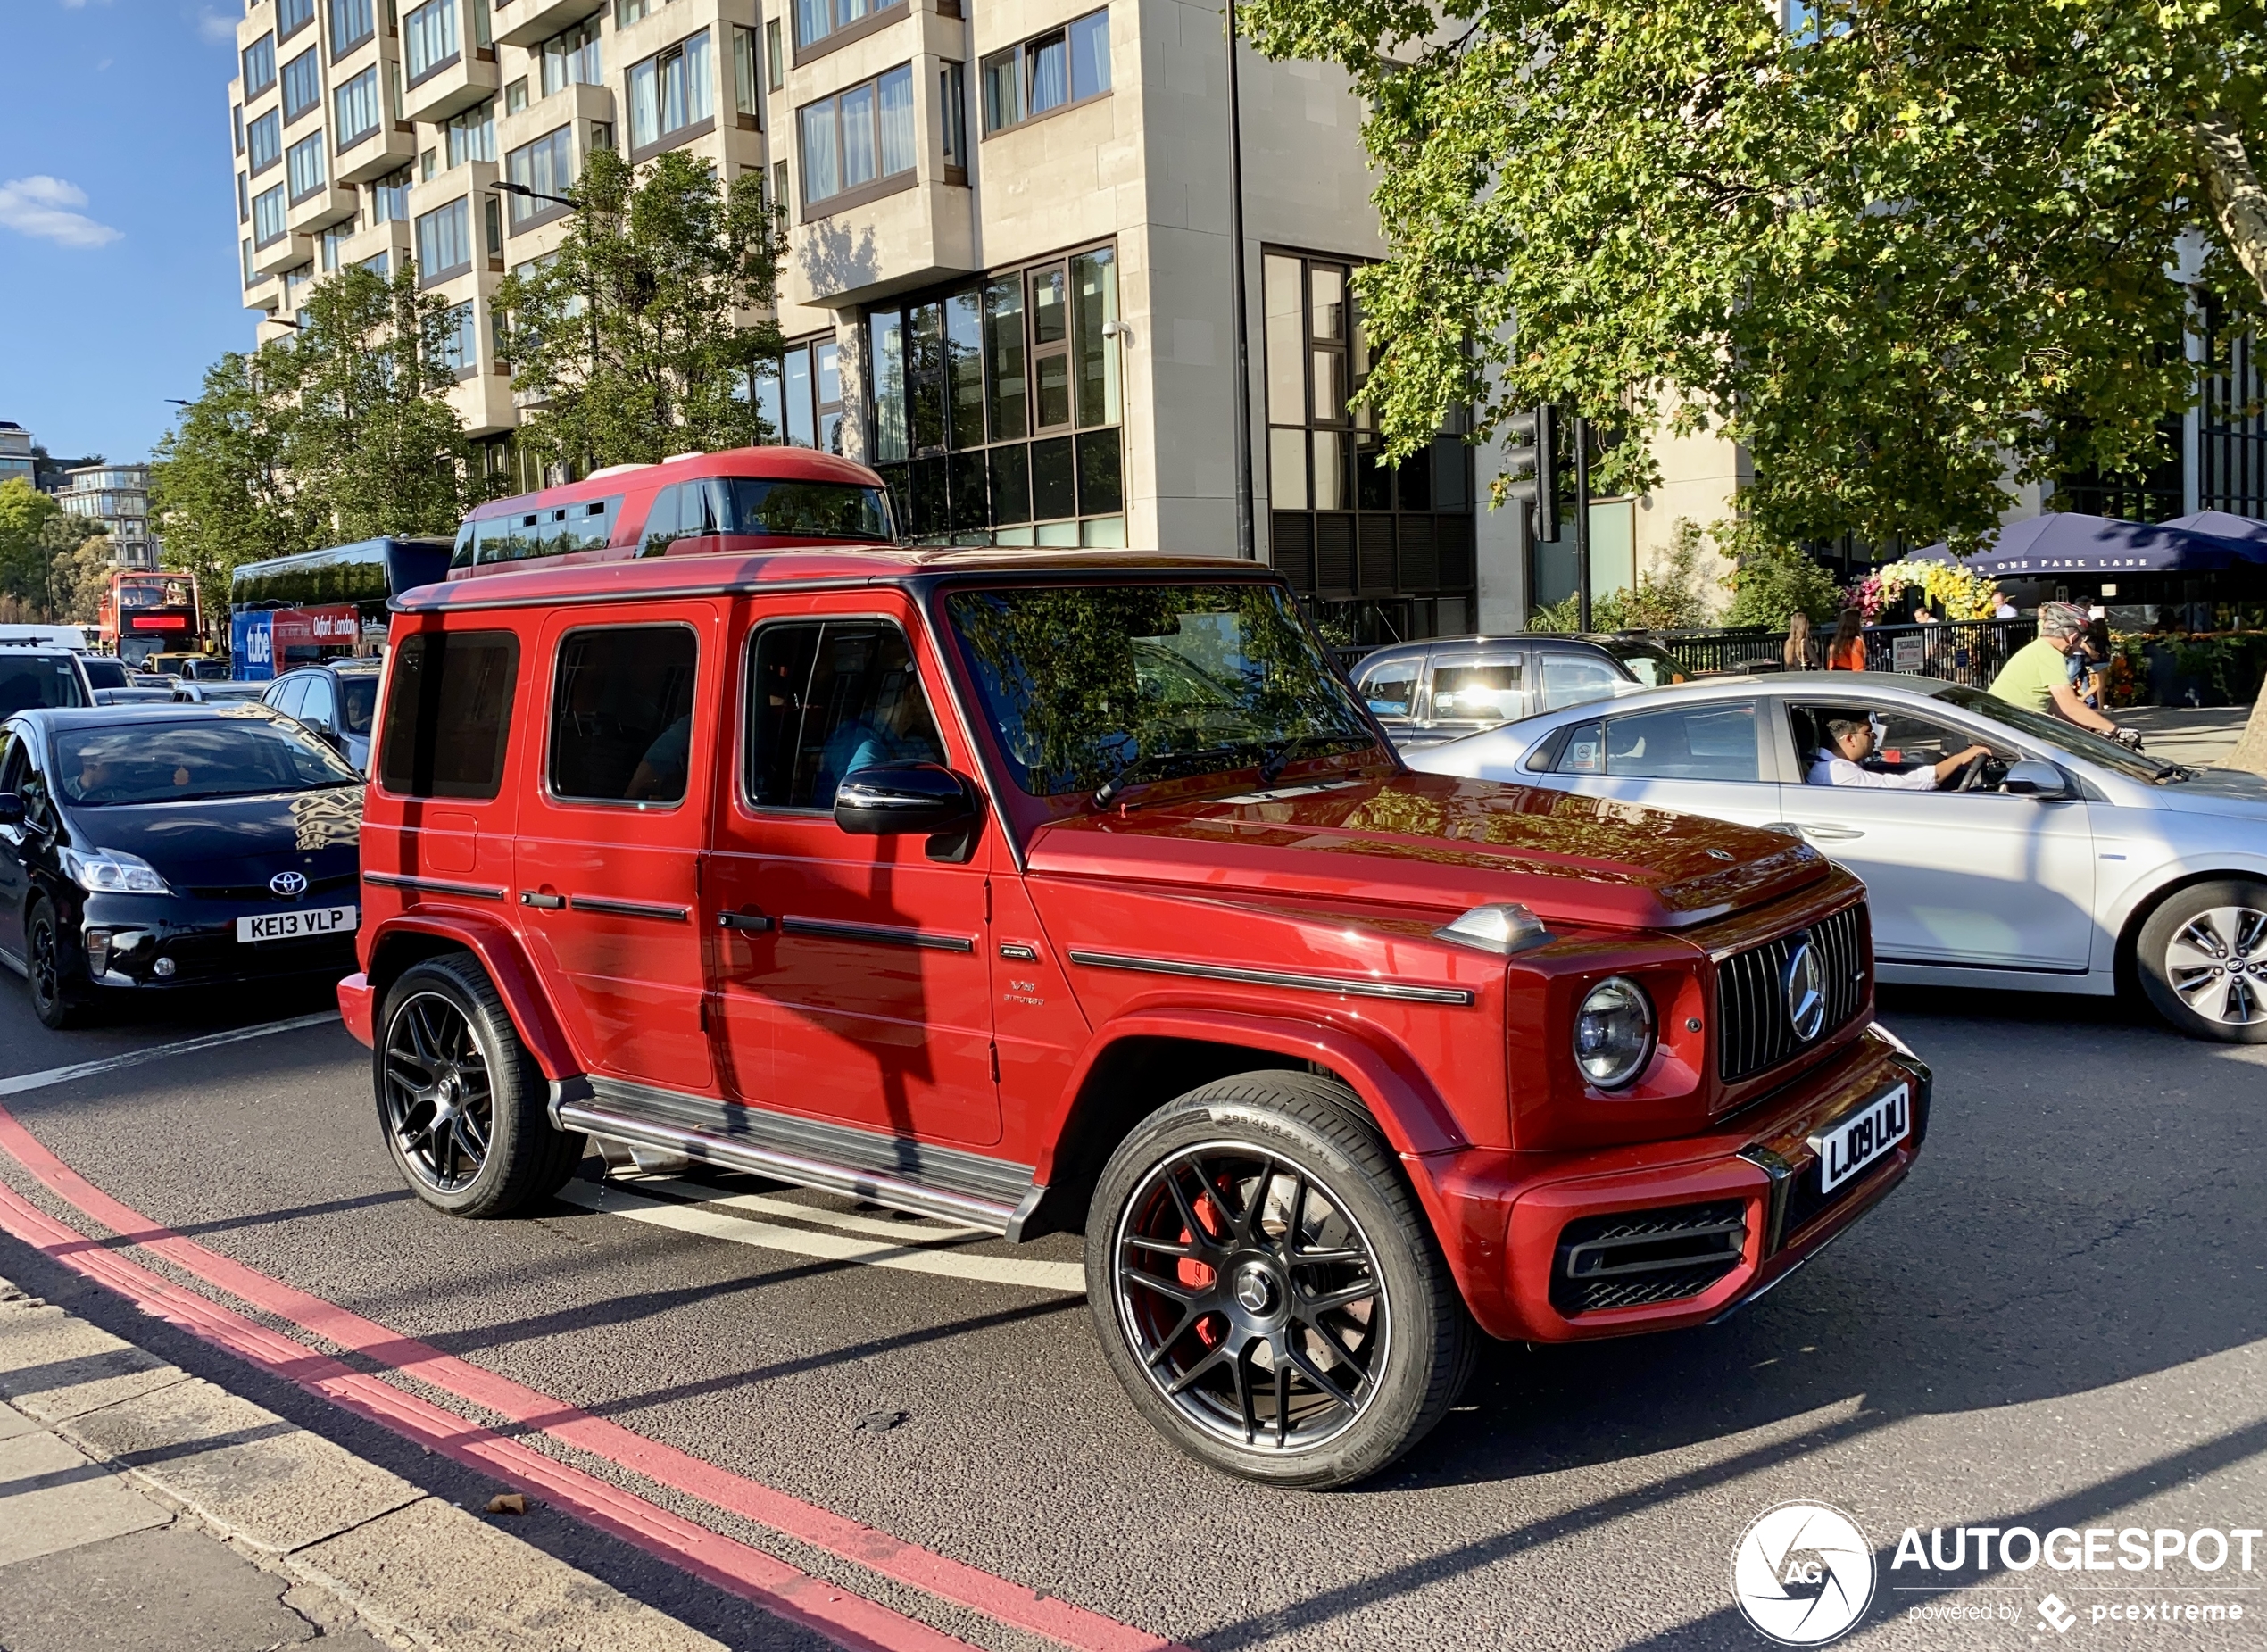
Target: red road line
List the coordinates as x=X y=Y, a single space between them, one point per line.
x=963 y=1585
x=849 y=1620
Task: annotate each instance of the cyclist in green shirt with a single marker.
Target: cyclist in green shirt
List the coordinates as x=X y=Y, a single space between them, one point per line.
x=2037 y=677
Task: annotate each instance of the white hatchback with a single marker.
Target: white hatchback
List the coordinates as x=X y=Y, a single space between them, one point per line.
x=2061 y=863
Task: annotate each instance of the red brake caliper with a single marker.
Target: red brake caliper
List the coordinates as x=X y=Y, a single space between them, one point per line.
x=1198 y=1276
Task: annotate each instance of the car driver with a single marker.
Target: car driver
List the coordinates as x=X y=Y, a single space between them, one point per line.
x=1850 y=740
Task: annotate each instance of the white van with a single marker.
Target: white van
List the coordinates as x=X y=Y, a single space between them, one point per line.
x=73 y=637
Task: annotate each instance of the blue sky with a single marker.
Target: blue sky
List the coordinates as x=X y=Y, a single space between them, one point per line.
x=119 y=279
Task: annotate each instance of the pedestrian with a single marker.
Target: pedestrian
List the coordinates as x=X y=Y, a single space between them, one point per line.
x=1846 y=652
x=1796 y=654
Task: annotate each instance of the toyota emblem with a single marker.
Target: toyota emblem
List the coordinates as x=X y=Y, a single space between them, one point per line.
x=1805 y=982
x=288 y=884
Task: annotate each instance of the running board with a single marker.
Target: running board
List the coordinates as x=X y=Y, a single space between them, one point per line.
x=726 y=1153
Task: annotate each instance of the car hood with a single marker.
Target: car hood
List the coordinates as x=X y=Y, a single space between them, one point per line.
x=2212 y=791
x=234 y=841
x=1445 y=844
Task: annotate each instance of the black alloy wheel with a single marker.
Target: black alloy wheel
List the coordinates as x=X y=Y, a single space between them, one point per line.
x=1252 y=1296
x=48 y=965
x=439 y=1103
x=1267 y=1289
x=461 y=1103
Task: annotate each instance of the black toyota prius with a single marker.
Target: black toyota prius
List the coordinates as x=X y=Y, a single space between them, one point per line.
x=155 y=848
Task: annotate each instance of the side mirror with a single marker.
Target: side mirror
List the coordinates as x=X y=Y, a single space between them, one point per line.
x=892 y=798
x=11 y=809
x=2031 y=777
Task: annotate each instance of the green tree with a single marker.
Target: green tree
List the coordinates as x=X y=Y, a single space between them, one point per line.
x=25 y=515
x=629 y=337
x=1900 y=255
x=221 y=487
x=1773 y=579
x=76 y=579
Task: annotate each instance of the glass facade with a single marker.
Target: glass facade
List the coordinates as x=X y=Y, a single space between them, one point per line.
x=997 y=407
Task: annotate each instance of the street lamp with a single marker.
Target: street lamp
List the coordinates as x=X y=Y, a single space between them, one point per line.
x=532 y=195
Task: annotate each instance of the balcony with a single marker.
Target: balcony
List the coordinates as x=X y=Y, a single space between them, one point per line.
x=529 y=23
x=319 y=209
x=286 y=252
x=911 y=237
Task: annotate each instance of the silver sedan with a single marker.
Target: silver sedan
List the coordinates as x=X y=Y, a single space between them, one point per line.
x=2055 y=860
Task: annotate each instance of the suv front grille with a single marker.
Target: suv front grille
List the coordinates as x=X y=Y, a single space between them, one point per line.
x=1754 y=1031
x=1638 y=1258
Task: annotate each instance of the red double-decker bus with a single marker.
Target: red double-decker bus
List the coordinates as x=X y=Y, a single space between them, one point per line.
x=747 y=499
x=146 y=612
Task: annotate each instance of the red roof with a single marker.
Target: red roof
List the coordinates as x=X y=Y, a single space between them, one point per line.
x=795 y=464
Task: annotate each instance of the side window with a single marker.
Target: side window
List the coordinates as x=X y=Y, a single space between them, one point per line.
x=1391 y=688
x=621 y=717
x=1569 y=679
x=680 y=513
x=1486 y=693
x=1711 y=742
x=1913 y=742
x=1584 y=753
x=661 y=521
x=826 y=700
x=448 y=713
x=318 y=709
x=287 y=695
x=11 y=749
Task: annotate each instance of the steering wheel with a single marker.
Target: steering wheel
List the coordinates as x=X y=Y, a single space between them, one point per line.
x=1972 y=775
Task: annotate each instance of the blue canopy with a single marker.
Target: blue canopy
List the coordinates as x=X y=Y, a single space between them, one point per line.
x=2070 y=541
x=2244 y=530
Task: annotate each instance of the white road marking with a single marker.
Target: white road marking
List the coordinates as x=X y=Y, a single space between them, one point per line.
x=1065 y=1278
x=910 y=1230
x=158 y=1052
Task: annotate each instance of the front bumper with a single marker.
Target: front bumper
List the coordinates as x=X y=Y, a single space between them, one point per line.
x=1744 y=1201
x=121 y=938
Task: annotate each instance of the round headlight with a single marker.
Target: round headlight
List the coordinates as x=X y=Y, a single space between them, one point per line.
x=1614 y=1033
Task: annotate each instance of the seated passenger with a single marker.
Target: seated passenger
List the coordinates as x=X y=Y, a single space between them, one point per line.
x=898 y=731
x=1851 y=740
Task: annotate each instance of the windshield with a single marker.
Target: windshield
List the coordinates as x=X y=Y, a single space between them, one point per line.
x=154 y=593
x=28 y=682
x=240 y=754
x=1080 y=681
x=357 y=700
x=2077 y=741
x=807 y=509
x=104 y=672
x=1649 y=663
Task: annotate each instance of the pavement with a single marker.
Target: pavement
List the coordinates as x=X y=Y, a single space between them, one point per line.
x=774 y=1419
x=2196 y=736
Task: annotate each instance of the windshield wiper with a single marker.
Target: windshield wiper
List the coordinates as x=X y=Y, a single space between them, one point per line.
x=1279 y=754
x=1106 y=793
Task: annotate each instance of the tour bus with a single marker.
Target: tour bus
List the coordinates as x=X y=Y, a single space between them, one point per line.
x=144 y=610
x=289 y=610
x=747 y=499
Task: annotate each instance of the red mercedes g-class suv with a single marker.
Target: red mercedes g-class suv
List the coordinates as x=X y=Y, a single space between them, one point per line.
x=1082 y=894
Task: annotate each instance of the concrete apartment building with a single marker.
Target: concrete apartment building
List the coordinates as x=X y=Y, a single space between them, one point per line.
x=118 y=497
x=1008 y=282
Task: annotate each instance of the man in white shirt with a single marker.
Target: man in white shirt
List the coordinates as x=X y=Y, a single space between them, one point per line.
x=1850 y=742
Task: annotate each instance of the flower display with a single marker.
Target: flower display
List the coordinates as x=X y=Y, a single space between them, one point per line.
x=1955 y=590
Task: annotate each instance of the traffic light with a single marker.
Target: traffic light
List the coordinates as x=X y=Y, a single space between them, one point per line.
x=1531 y=442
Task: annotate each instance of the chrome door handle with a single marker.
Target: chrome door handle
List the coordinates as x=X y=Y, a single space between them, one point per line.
x=1830 y=834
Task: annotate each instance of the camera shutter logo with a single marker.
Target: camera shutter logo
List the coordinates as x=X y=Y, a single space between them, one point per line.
x=1804 y=982
x=1803 y=1573
x=288 y=884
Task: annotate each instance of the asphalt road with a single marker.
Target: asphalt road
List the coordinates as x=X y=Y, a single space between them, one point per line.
x=2061 y=1320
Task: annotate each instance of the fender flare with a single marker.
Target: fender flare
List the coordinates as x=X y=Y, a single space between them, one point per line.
x=500 y=953
x=2172 y=874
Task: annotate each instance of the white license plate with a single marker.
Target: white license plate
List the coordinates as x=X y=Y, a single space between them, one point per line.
x=1862 y=1137
x=295 y=924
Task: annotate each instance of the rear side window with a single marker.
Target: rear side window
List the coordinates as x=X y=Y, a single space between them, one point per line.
x=1569 y=679
x=1391 y=688
x=827 y=700
x=1488 y=693
x=29 y=682
x=448 y=713
x=621 y=721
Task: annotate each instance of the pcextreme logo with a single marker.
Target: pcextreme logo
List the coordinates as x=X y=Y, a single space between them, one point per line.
x=1803 y=1573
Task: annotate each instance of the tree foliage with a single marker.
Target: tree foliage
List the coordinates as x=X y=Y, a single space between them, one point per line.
x=1923 y=246
x=629 y=341
x=37 y=541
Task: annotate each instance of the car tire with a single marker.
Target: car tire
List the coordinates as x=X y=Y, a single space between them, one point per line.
x=48 y=965
x=2201 y=957
x=1314 y=1334
x=460 y=1100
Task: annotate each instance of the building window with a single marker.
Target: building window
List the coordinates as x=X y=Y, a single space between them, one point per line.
x=244 y=199
x=302 y=85
x=472 y=134
x=815 y=19
x=515 y=96
x=334 y=239
x=351 y=22
x=292 y=16
x=461 y=343
x=305 y=171
x=2231 y=424
x=390 y=198
x=354 y=107
x=670 y=93
x=236 y=124
x=429 y=38
x=378 y=264
x=268 y=216
x=444 y=242
x=259 y=66
x=250 y=276
x=546 y=166
x=746 y=97
x=774 y=58
x=295 y=285
x=800 y=395
x=1342 y=523
x=858 y=136
x=1047 y=73
x=952 y=111
x=265 y=139
x=997 y=407
x=571 y=58
x=629 y=11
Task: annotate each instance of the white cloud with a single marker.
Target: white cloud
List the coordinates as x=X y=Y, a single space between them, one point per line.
x=40 y=206
x=218 y=29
